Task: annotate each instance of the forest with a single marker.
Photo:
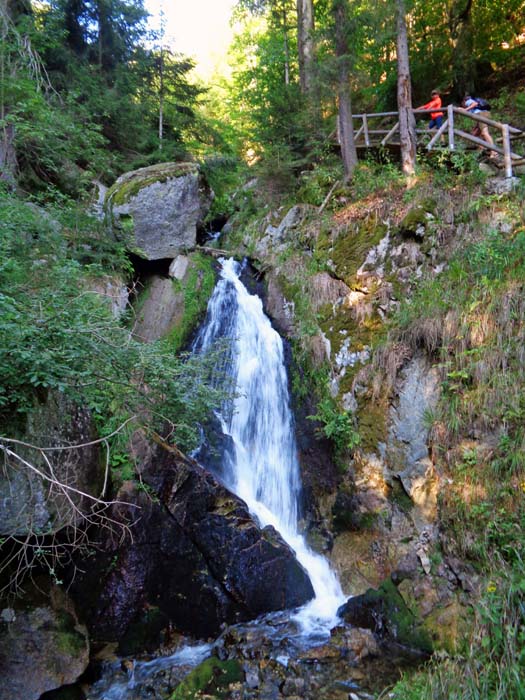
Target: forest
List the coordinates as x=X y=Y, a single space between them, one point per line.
x=90 y=93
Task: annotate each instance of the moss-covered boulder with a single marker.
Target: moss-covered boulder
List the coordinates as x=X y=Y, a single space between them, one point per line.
x=416 y=220
x=42 y=645
x=212 y=677
x=385 y=612
x=29 y=504
x=158 y=209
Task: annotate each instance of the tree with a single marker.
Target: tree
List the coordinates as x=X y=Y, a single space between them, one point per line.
x=407 y=124
x=344 y=119
x=305 y=44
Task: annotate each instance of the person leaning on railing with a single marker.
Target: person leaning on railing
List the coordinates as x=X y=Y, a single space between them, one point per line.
x=481 y=130
x=436 y=117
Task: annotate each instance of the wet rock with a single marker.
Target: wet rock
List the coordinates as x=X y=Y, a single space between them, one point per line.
x=281 y=311
x=44 y=647
x=196 y=555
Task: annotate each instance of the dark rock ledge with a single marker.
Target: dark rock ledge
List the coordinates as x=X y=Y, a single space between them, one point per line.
x=196 y=560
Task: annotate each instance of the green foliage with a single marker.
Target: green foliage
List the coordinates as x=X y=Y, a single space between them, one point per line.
x=492 y=666
x=224 y=173
x=315 y=184
x=337 y=425
x=57 y=335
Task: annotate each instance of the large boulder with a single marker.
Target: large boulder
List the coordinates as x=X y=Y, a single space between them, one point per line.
x=157 y=209
x=196 y=557
x=42 y=645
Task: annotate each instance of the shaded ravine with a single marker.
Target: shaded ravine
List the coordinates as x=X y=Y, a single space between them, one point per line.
x=259 y=461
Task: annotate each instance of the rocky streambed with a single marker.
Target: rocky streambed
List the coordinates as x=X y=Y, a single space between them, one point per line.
x=267 y=658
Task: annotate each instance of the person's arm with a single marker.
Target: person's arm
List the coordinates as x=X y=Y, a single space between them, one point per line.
x=471 y=106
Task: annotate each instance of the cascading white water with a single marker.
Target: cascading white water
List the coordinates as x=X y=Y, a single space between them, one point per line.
x=262 y=468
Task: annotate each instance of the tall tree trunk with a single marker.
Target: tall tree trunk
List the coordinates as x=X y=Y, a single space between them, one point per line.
x=161 y=76
x=305 y=44
x=10 y=12
x=407 y=123
x=344 y=119
x=286 y=49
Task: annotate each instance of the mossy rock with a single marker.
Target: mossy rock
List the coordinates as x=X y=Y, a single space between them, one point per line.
x=157 y=210
x=416 y=219
x=211 y=678
x=372 y=422
x=130 y=184
x=351 y=248
x=448 y=626
x=385 y=612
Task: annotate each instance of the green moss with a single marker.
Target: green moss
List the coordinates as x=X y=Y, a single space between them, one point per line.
x=448 y=626
x=121 y=192
x=417 y=216
x=372 y=422
x=211 y=678
x=399 y=496
x=68 y=639
x=405 y=626
x=344 y=325
x=350 y=249
x=197 y=287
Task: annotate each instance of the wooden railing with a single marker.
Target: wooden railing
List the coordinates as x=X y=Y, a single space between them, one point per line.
x=447 y=135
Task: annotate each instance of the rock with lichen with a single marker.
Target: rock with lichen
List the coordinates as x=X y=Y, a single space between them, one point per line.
x=157 y=210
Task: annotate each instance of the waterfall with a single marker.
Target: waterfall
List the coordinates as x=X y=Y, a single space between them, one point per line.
x=261 y=465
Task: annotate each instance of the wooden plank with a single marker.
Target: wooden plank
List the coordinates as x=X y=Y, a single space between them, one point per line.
x=480 y=142
x=376 y=114
x=390 y=133
x=485 y=120
x=358 y=133
x=437 y=135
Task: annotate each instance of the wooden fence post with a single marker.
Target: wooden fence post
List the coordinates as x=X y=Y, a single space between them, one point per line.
x=365 y=129
x=450 y=119
x=507 y=155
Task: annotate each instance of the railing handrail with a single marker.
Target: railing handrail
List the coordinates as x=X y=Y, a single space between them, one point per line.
x=448 y=130
x=457 y=110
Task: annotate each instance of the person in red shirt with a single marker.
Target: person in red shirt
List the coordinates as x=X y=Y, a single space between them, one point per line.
x=436 y=117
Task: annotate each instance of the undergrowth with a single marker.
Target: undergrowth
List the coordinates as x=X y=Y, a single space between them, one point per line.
x=470 y=321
